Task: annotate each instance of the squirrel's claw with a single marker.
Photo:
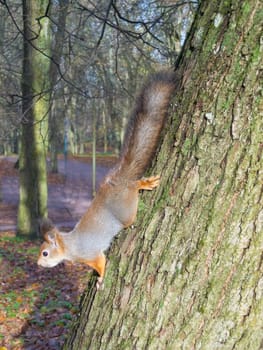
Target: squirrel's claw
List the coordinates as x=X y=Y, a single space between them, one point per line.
x=100 y=284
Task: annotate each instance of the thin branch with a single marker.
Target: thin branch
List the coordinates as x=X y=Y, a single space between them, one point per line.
x=104 y=24
x=135 y=35
x=82 y=92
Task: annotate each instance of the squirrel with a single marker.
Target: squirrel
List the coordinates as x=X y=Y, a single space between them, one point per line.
x=115 y=205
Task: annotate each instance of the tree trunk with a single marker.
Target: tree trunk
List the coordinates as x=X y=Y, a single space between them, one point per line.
x=190 y=275
x=57 y=51
x=35 y=105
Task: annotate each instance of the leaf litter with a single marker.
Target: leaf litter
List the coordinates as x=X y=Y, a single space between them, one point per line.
x=37 y=305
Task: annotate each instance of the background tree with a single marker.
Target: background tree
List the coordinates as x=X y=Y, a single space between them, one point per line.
x=59 y=28
x=99 y=52
x=81 y=60
x=190 y=275
x=35 y=108
x=10 y=58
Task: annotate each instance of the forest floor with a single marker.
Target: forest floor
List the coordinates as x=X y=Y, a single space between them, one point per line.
x=38 y=305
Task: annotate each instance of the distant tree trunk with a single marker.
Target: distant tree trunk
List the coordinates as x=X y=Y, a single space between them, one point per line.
x=94 y=149
x=53 y=138
x=190 y=275
x=57 y=51
x=105 y=131
x=35 y=90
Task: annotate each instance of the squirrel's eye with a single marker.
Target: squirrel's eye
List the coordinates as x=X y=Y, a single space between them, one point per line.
x=45 y=253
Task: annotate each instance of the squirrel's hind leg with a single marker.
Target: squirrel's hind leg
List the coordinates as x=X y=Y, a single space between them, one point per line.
x=148 y=183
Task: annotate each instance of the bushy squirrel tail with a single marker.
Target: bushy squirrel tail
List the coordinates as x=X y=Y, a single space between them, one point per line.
x=145 y=125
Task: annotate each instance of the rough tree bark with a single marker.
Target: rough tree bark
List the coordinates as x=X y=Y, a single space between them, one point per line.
x=190 y=275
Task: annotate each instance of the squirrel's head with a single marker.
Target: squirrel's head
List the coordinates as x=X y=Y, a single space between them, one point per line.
x=52 y=250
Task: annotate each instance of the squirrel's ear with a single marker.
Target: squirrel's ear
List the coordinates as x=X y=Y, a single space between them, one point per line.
x=45 y=225
x=50 y=237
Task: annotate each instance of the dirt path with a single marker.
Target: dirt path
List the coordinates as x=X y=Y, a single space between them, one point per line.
x=67 y=200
